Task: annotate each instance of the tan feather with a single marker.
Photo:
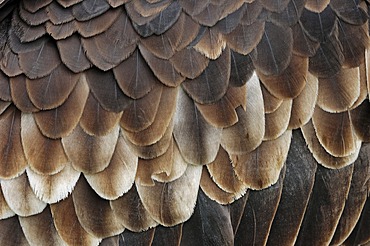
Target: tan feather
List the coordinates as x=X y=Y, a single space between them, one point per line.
x=342 y=140
x=44 y=155
x=131 y=213
x=5 y=210
x=176 y=199
x=261 y=167
x=211 y=44
x=316 y=6
x=119 y=176
x=68 y=227
x=270 y=102
x=104 y=223
x=12 y=159
x=61 y=121
x=90 y=154
x=18 y=189
x=363 y=87
x=248 y=132
x=277 y=122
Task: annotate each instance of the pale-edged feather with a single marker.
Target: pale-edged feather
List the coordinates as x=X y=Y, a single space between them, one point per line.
x=33 y=19
x=335 y=132
x=356 y=199
x=363 y=87
x=297 y=187
x=62 y=31
x=68 y=227
x=162 y=120
x=222 y=173
x=302 y=43
x=119 y=176
x=198 y=141
x=189 y=62
x=210 y=224
x=98 y=24
x=11 y=232
x=270 y=102
x=193 y=7
x=53 y=188
x=339 y=92
x=303 y=106
x=72 y=54
x=172 y=203
x=5 y=210
x=131 y=213
x=316 y=6
x=248 y=132
x=219 y=114
x=12 y=159
x=259 y=213
x=61 y=121
x=229 y=23
x=290 y=82
x=163 y=69
x=68 y=3
x=320 y=154
x=88 y=9
x=52 y=90
x=212 y=84
x=111 y=47
x=19 y=94
x=18 y=47
x=360 y=120
x=277 y=122
x=39 y=62
x=289 y=15
x=135 y=16
x=109 y=94
x=39 y=229
x=241 y=69
x=261 y=167
x=59 y=14
x=90 y=154
x=104 y=223
x=237 y=96
x=274 y=51
x=147 y=9
x=97 y=121
x=36 y=6
x=325 y=206
x=189 y=32
x=19 y=189
x=361 y=233
x=245 y=37
x=349 y=11
x=9 y=62
x=25 y=32
x=275 y=6
x=45 y=156
x=211 y=44
x=140 y=114
x=110 y=241
x=134 y=76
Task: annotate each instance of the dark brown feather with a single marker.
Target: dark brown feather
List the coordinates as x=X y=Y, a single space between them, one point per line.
x=11 y=232
x=20 y=96
x=189 y=62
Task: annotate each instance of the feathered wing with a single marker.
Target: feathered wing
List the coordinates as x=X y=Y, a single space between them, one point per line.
x=191 y=122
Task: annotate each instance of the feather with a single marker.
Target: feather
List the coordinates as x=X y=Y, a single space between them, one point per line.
x=189 y=63
x=72 y=54
x=131 y=213
x=289 y=15
x=229 y=23
x=342 y=141
x=302 y=44
x=212 y=84
x=3 y=106
x=97 y=121
x=297 y=186
x=340 y=92
x=68 y=3
x=68 y=227
x=61 y=32
x=134 y=76
x=40 y=230
x=277 y=122
x=109 y=95
x=349 y=11
x=45 y=156
x=90 y=154
x=320 y=154
x=33 y=19
x=275 y=6
x=11 y=232
x=270 y=102
x=36 y=6
x=89 y=9
x=197 y=140
x=18 y=189
x=303 y=106
x=361 y=234
x=248 y=132
x=360 y=121
x=211 y=44
x=145 y=9
x=210 y=224
x=12 y=159
x=139 y=238
x=164 y=235
x=316 y=6
x=104 y=223
x=241 y=69
x=9 y=62
x=363 y=87
x=326 y=205
x=25 y=32
x=5 y=210
x=58 y=14
x=52 y=90
x=19 y=94
x=261 y=167
x=119 y=176
x=177 y=198
x=61 y=121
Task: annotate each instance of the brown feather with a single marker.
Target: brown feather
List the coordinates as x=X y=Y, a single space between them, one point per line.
x=33 y=19
x=360 y=117
x=59 y=14
x=11 y=232
x=20 y=96
x=4 y=106
x=189 y=62
x=61 y=32
x=316 y=6
x=119 y=176
x=241 y=69
x=61 y=121
x=10 y=62
x=12 y=159
x=277 y=122
x=275 y=6
x=211 y=44
x=25 y=32
x=270 y=102
x=302 y=44
x=18 y=189
x=5 y=210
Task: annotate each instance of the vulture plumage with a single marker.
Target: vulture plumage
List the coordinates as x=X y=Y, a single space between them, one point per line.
x=184 y=122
